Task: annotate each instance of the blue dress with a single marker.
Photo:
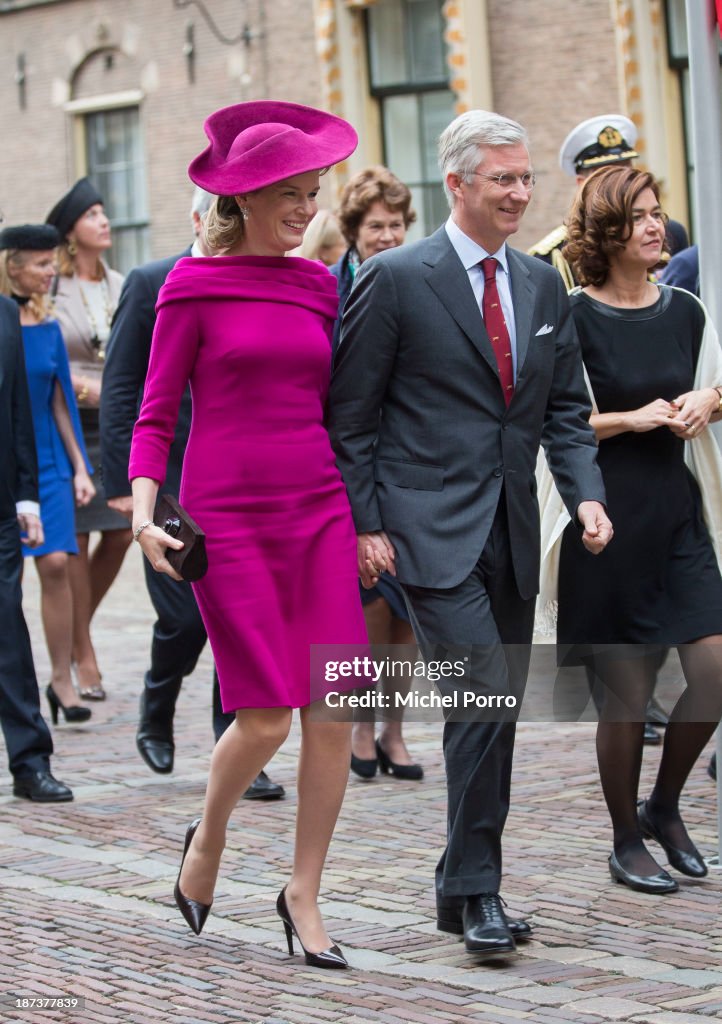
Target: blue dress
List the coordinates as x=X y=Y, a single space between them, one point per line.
x=46 y=362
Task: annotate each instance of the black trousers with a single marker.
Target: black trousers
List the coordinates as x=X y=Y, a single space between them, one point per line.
x=27 y=737
x=179 y=636
x=485 y=620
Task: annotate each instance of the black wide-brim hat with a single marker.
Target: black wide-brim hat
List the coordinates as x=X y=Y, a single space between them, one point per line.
x=32 y=237
x=255 y=144
x=73 y=205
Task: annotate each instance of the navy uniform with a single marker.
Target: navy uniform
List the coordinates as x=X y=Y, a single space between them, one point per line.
x=597 y=142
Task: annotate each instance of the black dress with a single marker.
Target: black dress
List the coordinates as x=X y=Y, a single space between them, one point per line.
x=658 y=581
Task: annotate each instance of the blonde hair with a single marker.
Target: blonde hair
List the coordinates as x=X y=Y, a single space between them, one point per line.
x=322 y=233
x=39 y=305
x=66 y=263
x=223 y=224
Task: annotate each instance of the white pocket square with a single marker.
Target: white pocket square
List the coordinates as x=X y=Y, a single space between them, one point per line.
x=546 y=329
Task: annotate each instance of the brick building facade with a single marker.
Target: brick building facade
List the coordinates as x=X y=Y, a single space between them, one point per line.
x=121 y=89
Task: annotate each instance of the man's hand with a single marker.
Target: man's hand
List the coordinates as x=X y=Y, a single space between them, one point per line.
x=375 y=555
x=31 y=529
x=598 y=529
x=122 y=504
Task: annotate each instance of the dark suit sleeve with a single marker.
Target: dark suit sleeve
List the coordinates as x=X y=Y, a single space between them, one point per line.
x=23 y=434
x=126 y=365
x=568 y=439
x=364 y=363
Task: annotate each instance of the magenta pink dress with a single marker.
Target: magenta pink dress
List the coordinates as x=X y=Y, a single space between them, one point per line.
x=253 y=336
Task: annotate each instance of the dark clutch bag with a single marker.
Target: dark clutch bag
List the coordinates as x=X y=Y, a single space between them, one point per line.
x=191 y=562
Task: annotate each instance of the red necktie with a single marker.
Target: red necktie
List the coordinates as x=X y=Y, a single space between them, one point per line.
x=496 y=327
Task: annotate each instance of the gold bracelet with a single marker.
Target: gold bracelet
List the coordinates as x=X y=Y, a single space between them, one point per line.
x=718 y=389
x=83 y=393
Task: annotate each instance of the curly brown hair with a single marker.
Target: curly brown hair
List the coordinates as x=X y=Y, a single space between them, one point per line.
x=373 y=185
x=600 y=220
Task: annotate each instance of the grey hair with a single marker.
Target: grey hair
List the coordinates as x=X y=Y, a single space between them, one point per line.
x=468 y=134
x=201 y=202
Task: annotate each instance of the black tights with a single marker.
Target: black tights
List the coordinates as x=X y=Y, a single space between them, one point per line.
x=628 y=680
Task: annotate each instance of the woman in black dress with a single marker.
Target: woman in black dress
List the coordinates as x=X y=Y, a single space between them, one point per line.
x=658 y=584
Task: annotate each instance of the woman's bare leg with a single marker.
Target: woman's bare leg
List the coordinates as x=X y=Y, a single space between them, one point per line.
x=322 y=777
x=238 y=756
x=83 y=652
x=57 y=614
x=391 y=734
x=105 y=562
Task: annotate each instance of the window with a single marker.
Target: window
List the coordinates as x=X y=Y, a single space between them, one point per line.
x=409 y=78
x=115 y=163
x=679 y=60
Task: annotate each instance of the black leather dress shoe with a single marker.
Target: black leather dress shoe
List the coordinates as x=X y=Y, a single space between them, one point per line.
x=154 y=741
x=157 y=753
x=689 y=863
x=658 y=885
x=42 y=788
x=262 y=788
x=485 y=926
x=651 y=736
x=449 y=918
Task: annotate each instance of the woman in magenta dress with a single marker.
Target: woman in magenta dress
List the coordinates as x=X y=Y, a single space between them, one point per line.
x=251 y=330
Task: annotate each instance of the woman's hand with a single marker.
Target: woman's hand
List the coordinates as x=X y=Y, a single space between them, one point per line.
x=692 y=412
x=375 y=554
x=87 y=392
x=84 y=488
x=154 y=543
x=657 y=414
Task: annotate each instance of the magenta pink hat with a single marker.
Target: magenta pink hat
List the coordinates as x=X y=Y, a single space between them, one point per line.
x=255 y=144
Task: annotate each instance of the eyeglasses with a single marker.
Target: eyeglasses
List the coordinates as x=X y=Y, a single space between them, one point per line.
x=508 y=181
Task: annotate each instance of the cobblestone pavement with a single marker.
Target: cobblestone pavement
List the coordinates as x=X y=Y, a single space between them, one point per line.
x=86 y=887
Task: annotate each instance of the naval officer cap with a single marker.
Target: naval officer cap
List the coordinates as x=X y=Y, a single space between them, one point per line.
x=597 y=142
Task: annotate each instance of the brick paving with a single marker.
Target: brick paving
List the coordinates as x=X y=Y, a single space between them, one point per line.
x=86 y=888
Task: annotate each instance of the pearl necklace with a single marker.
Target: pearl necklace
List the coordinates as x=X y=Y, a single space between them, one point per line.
x=95 y=339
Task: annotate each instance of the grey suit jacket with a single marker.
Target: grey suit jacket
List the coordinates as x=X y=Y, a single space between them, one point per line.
x=418 y=422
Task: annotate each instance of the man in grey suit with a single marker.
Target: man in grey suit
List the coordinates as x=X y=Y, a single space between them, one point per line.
x=448 y=376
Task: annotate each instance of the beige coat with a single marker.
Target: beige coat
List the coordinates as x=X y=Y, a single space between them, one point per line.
x=77 y=332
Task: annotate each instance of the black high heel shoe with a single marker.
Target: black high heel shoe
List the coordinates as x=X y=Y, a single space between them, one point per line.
x=194 y=912
x=331 y=958
x=688 y=863
x=71 y=712
x=400 y=771
x=364 y=767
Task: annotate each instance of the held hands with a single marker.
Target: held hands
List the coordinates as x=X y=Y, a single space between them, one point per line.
x=154 y=542
x=84 y=488
x=32 y=529
x=598 y=529
x=692 y=412
x=375 y=555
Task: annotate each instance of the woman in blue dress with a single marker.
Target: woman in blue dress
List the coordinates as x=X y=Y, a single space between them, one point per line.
x=27 y=268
